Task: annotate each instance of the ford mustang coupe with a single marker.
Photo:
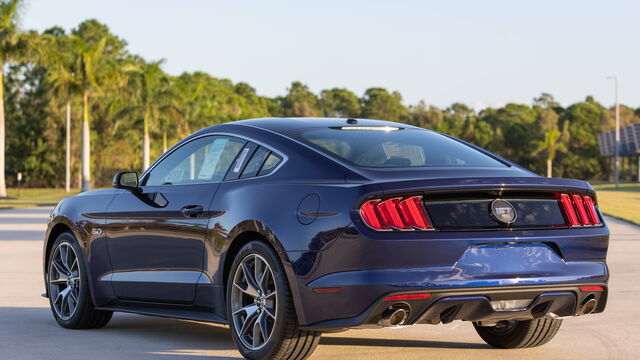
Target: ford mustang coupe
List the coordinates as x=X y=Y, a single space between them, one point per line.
x=287 y=228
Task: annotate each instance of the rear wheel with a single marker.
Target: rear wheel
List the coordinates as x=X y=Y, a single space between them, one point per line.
x=519 y=334
x=69 y=294
x=260 y=308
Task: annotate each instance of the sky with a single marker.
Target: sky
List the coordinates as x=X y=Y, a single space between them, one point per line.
x=482 y=53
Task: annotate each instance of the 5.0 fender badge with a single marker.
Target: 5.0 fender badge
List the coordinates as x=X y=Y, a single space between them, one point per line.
x=96 y=231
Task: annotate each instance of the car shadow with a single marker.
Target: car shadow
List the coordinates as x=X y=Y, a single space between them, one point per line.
x=127 y=336
x=130 y=336
x=400 y=343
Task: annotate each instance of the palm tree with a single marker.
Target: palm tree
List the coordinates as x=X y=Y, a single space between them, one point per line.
x=155 y=99
x=88 y=57
x=13 y=46
x=189 y=107
x=554 y=141
x=60 y=74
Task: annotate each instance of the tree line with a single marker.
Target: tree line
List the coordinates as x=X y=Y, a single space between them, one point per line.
x=125 y=111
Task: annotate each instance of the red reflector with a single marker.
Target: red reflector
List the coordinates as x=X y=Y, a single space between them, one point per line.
x=413 y=213
x=591 y=288
x=388 y=210
x=569 y=212
x=370 y=215
x=582 y=212
x=406 y=297
x=327 y=290
x=591 y=210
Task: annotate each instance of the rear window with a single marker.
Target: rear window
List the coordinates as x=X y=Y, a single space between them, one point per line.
x=401 y=147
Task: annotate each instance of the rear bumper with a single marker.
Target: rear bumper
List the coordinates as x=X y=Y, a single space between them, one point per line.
x=475 y=304
x=529 y=265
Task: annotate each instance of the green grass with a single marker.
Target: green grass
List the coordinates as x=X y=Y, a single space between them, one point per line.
x=623 y=203
x=33 y=197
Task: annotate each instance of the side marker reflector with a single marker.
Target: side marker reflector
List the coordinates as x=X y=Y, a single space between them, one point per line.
x=591 y=288
x=327 y=290
x=406 y=297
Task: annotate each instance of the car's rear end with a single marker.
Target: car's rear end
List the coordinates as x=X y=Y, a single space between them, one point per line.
x=472 y=239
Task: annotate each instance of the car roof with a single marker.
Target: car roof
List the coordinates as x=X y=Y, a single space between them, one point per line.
x=281 y=125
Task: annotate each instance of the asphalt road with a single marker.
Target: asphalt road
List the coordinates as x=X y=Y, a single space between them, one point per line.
x=28 y=330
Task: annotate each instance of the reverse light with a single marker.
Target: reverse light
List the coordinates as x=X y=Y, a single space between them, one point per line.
x=397 y=213
x=406 y=297
x=579 y=210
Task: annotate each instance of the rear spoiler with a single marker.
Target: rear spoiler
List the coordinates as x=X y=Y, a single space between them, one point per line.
x=487 y=183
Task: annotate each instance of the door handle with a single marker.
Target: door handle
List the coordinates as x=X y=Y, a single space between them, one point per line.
x=192 y=210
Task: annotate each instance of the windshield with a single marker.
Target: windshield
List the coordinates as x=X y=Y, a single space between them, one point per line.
x=394 y=147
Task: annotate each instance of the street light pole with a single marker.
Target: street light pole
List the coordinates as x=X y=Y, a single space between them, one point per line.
x=616 y=143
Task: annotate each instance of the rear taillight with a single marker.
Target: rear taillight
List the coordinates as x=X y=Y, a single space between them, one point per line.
x=397 y=213
x=591 y=210
x=579 y=210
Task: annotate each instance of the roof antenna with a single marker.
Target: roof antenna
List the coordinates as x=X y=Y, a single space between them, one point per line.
x=352 y=121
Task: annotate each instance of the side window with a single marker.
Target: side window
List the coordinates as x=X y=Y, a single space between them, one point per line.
x=202 y=160
x=240 y=161
x=254 y=164
x=270 y=164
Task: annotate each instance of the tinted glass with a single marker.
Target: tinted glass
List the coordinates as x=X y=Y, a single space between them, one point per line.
x=200 y=161
x=255 y=163
x=270 y=164
x=241 y=161
x=394 y=148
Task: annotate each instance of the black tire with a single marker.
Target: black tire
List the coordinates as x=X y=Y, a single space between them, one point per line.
x=84 y=316
x=286 y=340
x=519 y=334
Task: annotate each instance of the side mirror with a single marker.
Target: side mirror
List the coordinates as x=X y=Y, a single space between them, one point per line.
x=126 y=180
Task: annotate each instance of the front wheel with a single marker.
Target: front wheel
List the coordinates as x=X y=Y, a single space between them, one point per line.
x=519 y=334
x=68 y=287
x=260 y=308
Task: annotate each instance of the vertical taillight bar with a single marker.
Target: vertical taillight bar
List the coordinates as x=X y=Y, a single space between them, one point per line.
x=414 y=213
x=397 y=213
x=390 y=214
x=579 y=210
x=591 y=209
x=369 y=214
x=570 y=213
x=582 y=212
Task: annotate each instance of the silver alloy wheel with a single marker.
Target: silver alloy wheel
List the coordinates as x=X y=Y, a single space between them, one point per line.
x=253 y=301
x=64 y=280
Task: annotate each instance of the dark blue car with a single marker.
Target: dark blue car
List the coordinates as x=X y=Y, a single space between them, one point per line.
x=287 y=228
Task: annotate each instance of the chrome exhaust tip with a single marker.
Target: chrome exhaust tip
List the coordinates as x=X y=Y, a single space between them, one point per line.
x=589 y=306
x=393 y=316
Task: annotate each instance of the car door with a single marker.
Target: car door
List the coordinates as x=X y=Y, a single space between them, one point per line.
x=156 y=233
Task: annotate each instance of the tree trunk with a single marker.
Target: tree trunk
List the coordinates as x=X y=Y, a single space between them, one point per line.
x=145 y=144
x=86 y=145
x=3 y=185
x=549 y=166
x=67 y=166
x=164 y=141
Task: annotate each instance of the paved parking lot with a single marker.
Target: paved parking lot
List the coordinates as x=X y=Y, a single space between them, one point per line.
x=28 y=331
